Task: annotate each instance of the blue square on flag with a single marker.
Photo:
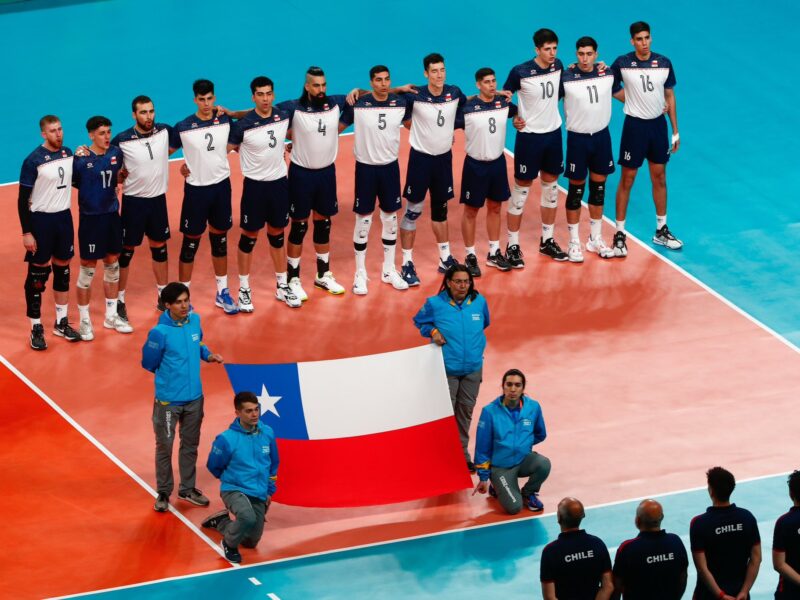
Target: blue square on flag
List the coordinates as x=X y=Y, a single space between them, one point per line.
x=278 y=391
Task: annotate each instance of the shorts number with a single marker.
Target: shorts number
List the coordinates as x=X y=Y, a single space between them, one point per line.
x=149 y=149
x=440 y=119
x=61 y=185
x=103 y=174
x=593 y=97
x=547 y=89
x=381 y=121
x=186 y=223
x=492 y=125
x=322 y=128
x=466 y=196
x=92 y=247
x=647 y=85
x=244 y=218
x=210 y=139
x=626 y=155
x=273 y=141
x=571 y=167
x=523 y=169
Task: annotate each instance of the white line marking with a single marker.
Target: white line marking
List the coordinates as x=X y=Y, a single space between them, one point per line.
x=254 y=581
x=273 y=596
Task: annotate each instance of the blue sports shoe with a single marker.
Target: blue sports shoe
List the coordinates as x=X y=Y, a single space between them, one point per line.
x=444 y=265
x=226 y=303
x=409 y=274
x=534 y=504
x=492 y=491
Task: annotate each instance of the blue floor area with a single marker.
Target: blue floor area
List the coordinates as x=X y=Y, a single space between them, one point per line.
x=500 y=561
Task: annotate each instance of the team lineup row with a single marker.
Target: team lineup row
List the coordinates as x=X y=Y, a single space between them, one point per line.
x=276 y=196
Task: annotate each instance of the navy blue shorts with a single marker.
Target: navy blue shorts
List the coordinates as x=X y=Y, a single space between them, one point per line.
x=99 y=235
x=144 y=216
x=429 y=173
x=206 y=204
x=54 y=235
x=264 y=202
x=377 y=181
x=484 y=179
x=312 y=189
x=534 y=152
x=644 y=138
x=588 y=152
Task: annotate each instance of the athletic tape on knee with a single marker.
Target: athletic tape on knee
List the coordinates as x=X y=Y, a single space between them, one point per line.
x=61 y=278
x=389 y=226
x=125 y=257
x=413 y=211
x=219 y=244
x=519 y=196
x=549 y=194
x=297 y=232
x=276 y=241
x=322 y=231
x=189 y=248
x=111 y=272
x=574 y=196
x=247 y=243
x=597 y=193
x=85 y=276
x=439 y=211
x=361 y=230
x=159 y=254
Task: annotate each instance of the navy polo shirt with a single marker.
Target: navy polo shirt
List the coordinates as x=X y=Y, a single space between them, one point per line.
x=575 y=562
x=650 y=566
x=787 y=539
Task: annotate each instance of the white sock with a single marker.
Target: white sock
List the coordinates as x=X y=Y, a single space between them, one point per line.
x=293 y=262
x=494 y=246
x=513 y=238
x=244 y=281
x=222 y=282
x=574 y=233
x=83 y=311
x=35 y=322
x=361 y=260
x=280 y=278
x=389 y=253
x=621 y=225
x=407 y=255
x=661 y=221
x=61 y=312
x=186 y=283
x=469 y=250
x=111 y=308
x=159 y=289
x=121 y=295
x=444 y=251
x=547 y=231
x=596 y=226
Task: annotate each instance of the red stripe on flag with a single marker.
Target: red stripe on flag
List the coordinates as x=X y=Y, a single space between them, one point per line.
x=383 y=468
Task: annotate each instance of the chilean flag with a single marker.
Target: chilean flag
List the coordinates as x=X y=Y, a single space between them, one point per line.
x=360 y=431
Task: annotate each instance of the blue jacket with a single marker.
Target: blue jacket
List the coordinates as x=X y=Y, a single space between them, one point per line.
x=245 y=461
x=173 y=352
x=505 y=437
x=461 y=325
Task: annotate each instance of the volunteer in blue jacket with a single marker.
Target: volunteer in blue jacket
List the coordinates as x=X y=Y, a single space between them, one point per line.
x=508 y=429
x=245 y=459
x=455 y=319
x=173 y=351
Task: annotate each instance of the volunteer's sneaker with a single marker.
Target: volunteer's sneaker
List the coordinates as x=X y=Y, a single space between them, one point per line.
x=550 y=247
x=162 y=503
x=86 y=331
x=328 y=283
x=122 y=310
x=409 y=274
x=285 y=294
x=446 y=264
x=498 y=261
x=599 y=247
x=231 y=554
x=214 y=520
x=360 y=283
x=664 y=237
x=492 y=491
x=64 y=329
x=117 y=324
x=514 y=256
x=194 y=496
x=620 y=247
x=533 y=503
x=246 y=300
x=395 y=279
x=297 y=289
x=225 y=302
x=37 y=337
x=574 y=252
x=472 y=265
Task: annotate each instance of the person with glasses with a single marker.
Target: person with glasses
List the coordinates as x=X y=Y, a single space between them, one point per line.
x=455 y=319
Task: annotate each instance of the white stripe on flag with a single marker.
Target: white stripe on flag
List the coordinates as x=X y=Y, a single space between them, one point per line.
x=372 y=394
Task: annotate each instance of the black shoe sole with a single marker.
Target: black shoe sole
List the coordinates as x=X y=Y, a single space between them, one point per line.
x=193 y=501
x=498 y=267
x=566 y=258
x=37 y=348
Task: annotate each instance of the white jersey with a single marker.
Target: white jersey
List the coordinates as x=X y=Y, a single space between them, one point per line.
x=587 y=99
x=538 y=92
x=485 y=126
x=377 y=128
x=433 y=119
x=146 y=159
x=205 y=148
x=644 y=82
x=50 y=176
x=315 y=131
x=261 y=144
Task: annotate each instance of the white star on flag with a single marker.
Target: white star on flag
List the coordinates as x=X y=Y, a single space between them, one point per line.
x=267 y=402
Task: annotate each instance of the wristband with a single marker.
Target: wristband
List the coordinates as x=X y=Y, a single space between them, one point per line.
x=676 y=138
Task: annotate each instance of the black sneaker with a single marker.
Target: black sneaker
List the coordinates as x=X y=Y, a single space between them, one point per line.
x=492 y=491
x=162 y=503
x=37 y=337
x=514 y=257
x=498 y=261
x=551 y=248
x=470 y=466
x=65 y=330
x=194 y=496
x=619 y=246
x=123 y=312
x=472 y=265
x=664 y=237
x=446 y=264
x=232 y=554
x=214 y=520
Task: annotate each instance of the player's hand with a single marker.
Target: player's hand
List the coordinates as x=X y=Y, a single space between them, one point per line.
x=29 y=242
x=519 y=123
x=739 y=596
x=352 y=96
x=221 y=110
x=288 y=147
x=601 y=65
x=82 y=150
x=407 y=89
x=215 y=358
x=123 y=175
x=481 y=488
x=438 y=338
x=676 y=143
x=505 y=94
x=185 y=170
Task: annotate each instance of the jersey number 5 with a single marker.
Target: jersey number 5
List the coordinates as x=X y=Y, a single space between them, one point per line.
x=381 y=121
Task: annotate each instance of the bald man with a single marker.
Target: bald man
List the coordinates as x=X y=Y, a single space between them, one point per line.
x=576 y=565
x=653 y=565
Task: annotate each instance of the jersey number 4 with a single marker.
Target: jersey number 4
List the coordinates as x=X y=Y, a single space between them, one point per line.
x=321 y=128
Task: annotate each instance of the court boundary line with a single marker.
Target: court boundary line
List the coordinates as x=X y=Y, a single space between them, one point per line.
x=108 y=454
x=412 y=538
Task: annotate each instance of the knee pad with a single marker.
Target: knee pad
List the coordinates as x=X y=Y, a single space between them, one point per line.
x=361 y=231
x=111 y=272
x=126 y=255
x=389 y=223
x=85 y=276
x=247 y=243
x=159 y=254
x=276 y=241
x=61 y=278
x=219 y=244
x=549 y=194
x=519 y=196
x=322 y=231
x=35 y=284
x=597 y=193
x=413 y=211
x=297 y=232
x=574 y=196
x=189 y=248
x=439 y=211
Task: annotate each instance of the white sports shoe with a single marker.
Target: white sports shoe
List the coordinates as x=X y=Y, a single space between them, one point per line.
x=394 y=278
x=360 y=283
x=297 y=289
x=246 y=300
x=574 y=253
x=285 y=294
x=117 y=323
x=85 y=330
x=328 y=283
x=599 y=247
